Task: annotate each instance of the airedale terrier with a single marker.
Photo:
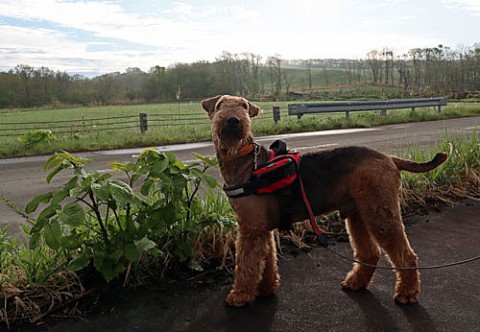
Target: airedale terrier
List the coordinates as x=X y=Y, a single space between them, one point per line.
x=361 y=183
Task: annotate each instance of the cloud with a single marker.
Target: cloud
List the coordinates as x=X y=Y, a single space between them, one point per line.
x=472 y=6
x=116 y=34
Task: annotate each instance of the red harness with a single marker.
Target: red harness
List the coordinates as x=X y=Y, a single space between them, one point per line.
x=280 y=171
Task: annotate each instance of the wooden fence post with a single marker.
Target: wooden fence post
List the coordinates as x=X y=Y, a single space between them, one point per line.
x=276 y=113
x=143 y=122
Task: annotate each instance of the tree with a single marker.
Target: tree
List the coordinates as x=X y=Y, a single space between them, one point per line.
x=375 y=65
x=308 y=64
x=25 y=74
x=274 y=64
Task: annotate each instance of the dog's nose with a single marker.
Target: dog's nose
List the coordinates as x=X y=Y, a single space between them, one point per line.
x=233 y=121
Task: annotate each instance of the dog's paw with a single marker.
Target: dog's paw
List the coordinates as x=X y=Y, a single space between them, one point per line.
x=235 y=299
x=268 y=288
x=353 y=285
x=406 y=298
x=267 y=291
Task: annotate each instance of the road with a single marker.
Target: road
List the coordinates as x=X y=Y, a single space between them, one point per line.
x=21 y=179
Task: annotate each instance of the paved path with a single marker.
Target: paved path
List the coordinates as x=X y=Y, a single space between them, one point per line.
x=310 y=298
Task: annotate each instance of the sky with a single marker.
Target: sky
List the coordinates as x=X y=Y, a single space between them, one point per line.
x=103 y=36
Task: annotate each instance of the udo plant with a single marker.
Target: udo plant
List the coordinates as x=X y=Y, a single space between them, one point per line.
x=150 y=207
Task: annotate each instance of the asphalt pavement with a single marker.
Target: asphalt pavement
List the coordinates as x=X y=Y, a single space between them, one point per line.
x=310 y=297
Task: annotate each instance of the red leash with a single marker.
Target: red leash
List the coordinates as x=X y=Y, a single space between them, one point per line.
x=322 y=239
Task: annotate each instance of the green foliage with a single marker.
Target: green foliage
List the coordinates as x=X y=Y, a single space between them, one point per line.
x=464 y=156
x=35 y=137
x=96 y=218
x=21 y=265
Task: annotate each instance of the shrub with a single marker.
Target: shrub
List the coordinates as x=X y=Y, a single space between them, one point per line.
x=36 y=137
x=96 y=218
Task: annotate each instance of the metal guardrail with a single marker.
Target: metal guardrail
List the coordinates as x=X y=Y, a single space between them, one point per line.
x=382 y=105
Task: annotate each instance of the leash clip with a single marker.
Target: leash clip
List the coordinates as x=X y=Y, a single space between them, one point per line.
x=255 y=156
x=322 y=240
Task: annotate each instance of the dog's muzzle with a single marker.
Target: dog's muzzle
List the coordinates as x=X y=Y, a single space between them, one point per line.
x=232 y=127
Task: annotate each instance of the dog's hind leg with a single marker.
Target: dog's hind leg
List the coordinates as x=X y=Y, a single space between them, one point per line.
x=251 y=252
x=365 y=250
x=386 y=227
x=271 y=278
x=401 y=255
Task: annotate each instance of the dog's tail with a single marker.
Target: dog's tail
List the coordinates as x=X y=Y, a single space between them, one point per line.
x=414 y=167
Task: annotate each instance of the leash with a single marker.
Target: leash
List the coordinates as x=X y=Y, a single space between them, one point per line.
x=433 y=267
x=321 y=238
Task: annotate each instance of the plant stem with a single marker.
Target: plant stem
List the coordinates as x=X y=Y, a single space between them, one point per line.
x=99 y=217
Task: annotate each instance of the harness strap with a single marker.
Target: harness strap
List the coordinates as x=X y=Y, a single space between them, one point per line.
x=238 y=191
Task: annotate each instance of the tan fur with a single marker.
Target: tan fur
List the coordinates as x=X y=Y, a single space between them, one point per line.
x=365 y=189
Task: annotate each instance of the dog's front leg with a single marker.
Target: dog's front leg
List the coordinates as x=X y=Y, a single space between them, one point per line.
x=251 y=251
x=271 y=278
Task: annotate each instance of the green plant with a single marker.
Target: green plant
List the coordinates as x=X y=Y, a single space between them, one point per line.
x=96 y=218
x=36 y=137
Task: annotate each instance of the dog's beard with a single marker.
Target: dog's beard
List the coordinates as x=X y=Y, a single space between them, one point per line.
x=229 y=140
x=232 y=133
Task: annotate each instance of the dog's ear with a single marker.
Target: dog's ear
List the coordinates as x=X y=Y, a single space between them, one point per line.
x=209 y=104
x=253 y=109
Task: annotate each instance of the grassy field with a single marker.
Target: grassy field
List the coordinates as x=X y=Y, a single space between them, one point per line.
x=179 y=123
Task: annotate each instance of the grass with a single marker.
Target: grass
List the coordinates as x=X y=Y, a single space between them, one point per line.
x=175 y=132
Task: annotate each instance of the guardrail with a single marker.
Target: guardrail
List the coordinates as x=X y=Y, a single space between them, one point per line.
x=381 y=105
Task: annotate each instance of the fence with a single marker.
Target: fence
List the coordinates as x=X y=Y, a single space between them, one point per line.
x=141 y=122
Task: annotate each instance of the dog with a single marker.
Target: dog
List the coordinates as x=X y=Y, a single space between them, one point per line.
x=359 y=182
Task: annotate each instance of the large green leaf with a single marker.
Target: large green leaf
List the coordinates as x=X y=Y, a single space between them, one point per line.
x=33 y=204
x=212 y=162
x=101 y=191
x=147 y=186
x=49 y=211
x=57 y=170
x=53 y=234
x=78 y=263
x=171 y=156
x=126 y=167
x=158 y=167
x=211 y=181
x=108 y=264
x=145 y=244
x=72 y=214
x=122 y=193
x=131 y=252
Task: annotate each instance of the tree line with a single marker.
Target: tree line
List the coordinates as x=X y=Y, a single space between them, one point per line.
x=427 y=71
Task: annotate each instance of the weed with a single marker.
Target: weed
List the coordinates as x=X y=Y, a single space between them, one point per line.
x=36 y=137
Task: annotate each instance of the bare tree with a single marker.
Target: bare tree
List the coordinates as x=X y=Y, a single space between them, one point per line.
x=375 y=65
x=308 y=64
x=274 y=64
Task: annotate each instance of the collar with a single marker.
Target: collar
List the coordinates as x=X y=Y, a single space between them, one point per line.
x=242 y=152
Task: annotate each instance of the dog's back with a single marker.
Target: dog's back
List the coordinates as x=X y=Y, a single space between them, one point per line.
x=332 y=177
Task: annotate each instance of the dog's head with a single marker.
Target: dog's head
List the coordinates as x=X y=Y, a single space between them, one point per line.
x=230 y=118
